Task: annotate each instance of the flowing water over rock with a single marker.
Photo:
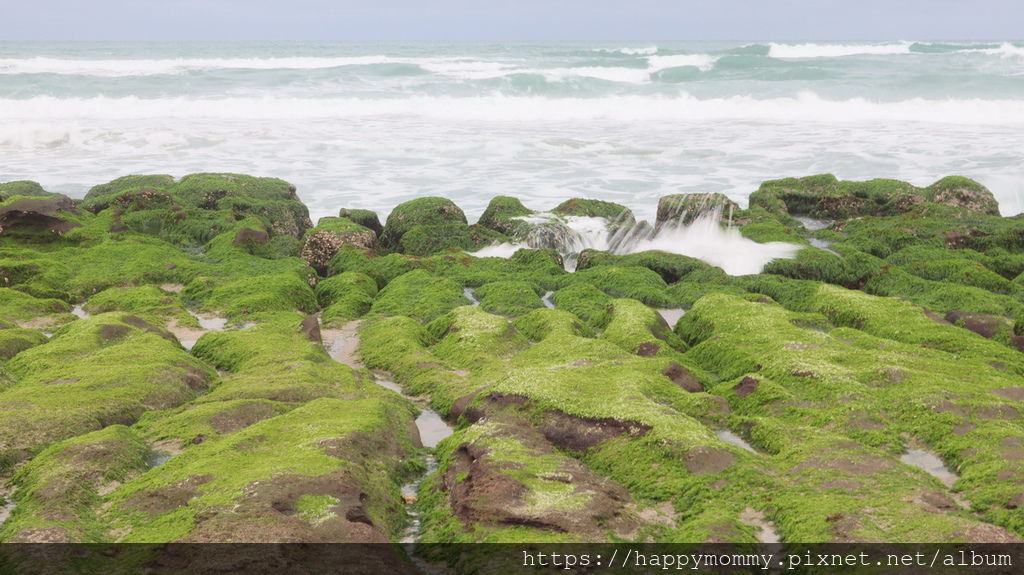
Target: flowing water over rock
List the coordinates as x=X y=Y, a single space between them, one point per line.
x=188 y=335
x=471 y=295
x=823 y=245
x=6 y=508
x=931 y=464
x=813 y=224
x=733 y=439
x=671 y=316
x=703 y=238
x=79 y=312
x=158 y=458
x=546 y=300
x=343 y=345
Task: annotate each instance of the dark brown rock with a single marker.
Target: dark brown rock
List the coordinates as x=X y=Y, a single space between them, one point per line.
x=746 y=386
x=683 y=378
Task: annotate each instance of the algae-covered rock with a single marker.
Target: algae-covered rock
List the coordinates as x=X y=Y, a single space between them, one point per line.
x=16 y=340
x=245 y=297
x=100 y=197
x=616 y=213
x=95 y=372
x=509 y=298
x=419 y=295
x=59 y=491
x=428 y=211
x=53 y=214
x=26 y=188
x=631 y=282
x=671 y=267
x=426 y=240
x=824 y=196
x=366 y=218
x=684 y=208
x=345 y=297
x=322 y=243
x=503 y=215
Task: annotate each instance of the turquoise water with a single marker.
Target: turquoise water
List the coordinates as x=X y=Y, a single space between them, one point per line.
x=372 y=125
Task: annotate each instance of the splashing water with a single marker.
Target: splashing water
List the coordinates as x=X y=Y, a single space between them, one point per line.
x=702 y=238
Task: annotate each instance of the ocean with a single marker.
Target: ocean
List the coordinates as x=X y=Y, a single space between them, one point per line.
x=372 y=125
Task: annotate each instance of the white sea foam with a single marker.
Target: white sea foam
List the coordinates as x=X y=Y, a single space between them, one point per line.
x=807 y=107
x=836 y=50
x=505 y=251
x=726 y=248
x=703 y=239
x=703 y=62
x=1005 y=50
x=628 y=51
x=154 y=67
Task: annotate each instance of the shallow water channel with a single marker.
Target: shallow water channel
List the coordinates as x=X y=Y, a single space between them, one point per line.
x=342 y=345
x=931 y=464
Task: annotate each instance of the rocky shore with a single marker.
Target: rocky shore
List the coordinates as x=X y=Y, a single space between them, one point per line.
x=166 y=372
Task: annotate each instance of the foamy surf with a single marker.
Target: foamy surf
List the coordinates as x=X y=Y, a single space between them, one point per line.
x=807 y=107
x=794 y=51
x=704 y=238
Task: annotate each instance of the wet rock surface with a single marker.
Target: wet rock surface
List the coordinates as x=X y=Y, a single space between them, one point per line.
x=190 y=360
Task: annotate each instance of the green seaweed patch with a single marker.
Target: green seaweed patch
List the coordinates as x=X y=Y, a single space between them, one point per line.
x=419 y=295
x=16 y=340
x=586 y=302
x=59 y=490
x=340 y=448
x=345 y=297
x=426 y=240
x=427 y=211
x=509 y=298
x=636 y=283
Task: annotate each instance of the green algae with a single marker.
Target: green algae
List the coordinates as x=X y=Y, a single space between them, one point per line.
x=345 y=297
x=16 y=340
x=827 y=380
x=509 y=298
x=24 y=188
x=427 y=211
x=503 y=215
x=419 y=295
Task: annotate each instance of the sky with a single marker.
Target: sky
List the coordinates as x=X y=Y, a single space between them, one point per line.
x=511 y=20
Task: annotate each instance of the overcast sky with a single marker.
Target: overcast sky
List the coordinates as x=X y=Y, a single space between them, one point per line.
x=509 y=20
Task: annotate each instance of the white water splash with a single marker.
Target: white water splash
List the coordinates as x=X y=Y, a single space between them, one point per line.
x=704 y=238
x=709 y=242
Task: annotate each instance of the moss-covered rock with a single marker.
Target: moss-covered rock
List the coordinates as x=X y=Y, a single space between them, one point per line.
x=366 y=218
x=419 y=295
x=503 y=215
x=26 y=188
x=428 y=211
x=824 y=196
x=509 y=298
x=616 y=213
x=16 y=340
x=426 y=240
x=322 y=243
x=95 y=372
x=345 y=297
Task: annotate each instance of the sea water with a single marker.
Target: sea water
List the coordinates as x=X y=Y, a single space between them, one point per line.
x=372 y=125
